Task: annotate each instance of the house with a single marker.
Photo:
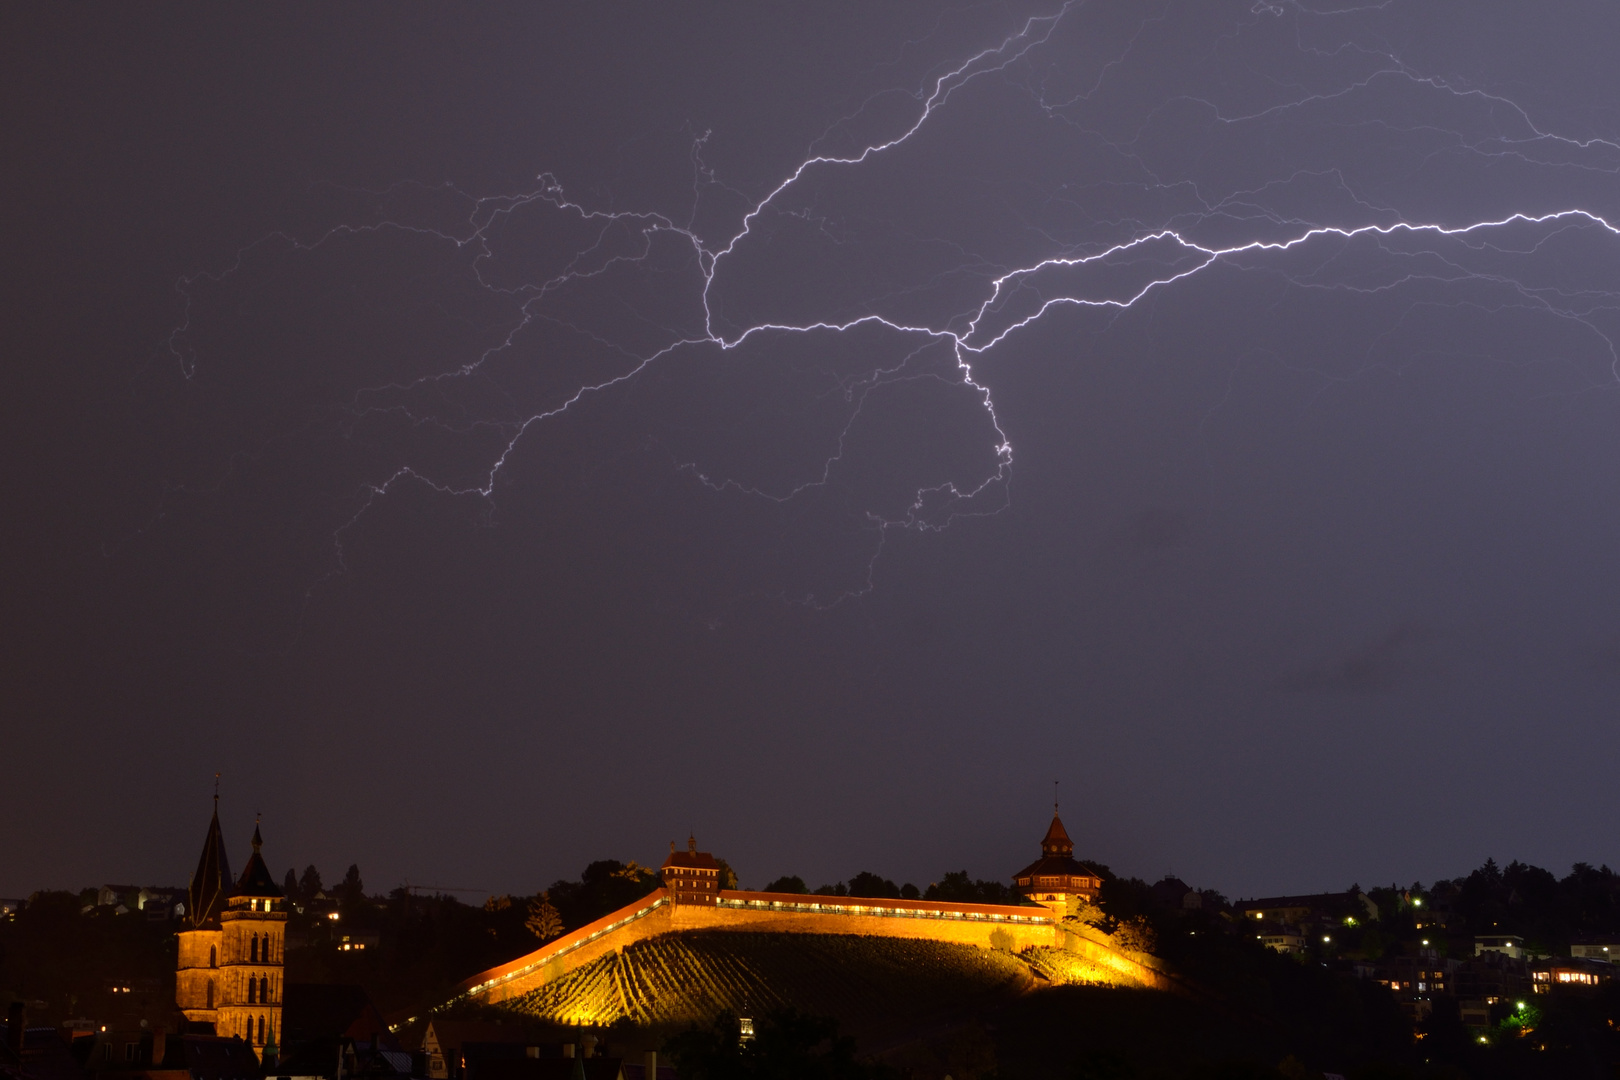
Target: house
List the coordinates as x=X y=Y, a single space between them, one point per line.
x=1279 y=937
x=1506 y=944
x=450 y=1045
x=1605 y=948
x=570 y=1066
x=691 y=876
x=34 y=1053
x=1417 y=978
x=136 y=1054
x=1487 y=985
x=648 y=1068
x=1572 y=973
x=1177 y=895
x=1311 y=909
x=312 y=1011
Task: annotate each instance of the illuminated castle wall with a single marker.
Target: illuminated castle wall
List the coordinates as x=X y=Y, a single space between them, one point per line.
x=689 y=906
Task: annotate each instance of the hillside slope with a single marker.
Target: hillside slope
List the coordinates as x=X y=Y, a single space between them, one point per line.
x=868 y=984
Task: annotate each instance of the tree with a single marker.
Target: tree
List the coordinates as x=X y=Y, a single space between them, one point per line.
x=957 y=887
x=606 y=886
x=1089 y=913
x=543 y=922
x=351 y=889
x=289 y=884
x=1135 y=934
x=794 y=884
x=1125 y=898
x=309 y=884
x=867 y=883
x=728 y=876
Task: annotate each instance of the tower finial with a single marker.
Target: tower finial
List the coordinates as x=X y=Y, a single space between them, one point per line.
x=216 y=791
x=1054 y=798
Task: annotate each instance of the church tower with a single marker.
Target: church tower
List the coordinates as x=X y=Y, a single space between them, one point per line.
x=230 y=971
x=253 y=939
x=197 y=980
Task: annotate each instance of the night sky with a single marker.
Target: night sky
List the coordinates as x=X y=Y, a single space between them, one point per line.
x=501 y=439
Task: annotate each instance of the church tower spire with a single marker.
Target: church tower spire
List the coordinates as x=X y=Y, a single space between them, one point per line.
x=230 y=972
x=211 y=884
x=198 y=991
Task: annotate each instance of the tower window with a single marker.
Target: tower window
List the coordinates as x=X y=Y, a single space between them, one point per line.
x=213 y=957
x=253 y=985
x=253 y=950
x=264 y=989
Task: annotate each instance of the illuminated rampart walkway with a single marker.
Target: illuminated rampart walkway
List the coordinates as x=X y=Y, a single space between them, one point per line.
x=985 y=926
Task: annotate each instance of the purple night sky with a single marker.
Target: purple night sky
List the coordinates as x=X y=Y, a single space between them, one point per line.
x=500 y=439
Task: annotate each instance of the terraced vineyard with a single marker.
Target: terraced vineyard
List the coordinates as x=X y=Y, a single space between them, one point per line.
x=867 y=983
x=1066 y=968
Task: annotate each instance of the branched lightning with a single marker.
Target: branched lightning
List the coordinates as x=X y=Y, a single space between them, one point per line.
x=1075 y=273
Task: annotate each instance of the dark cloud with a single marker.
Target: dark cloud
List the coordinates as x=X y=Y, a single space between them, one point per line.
x=1379 y=666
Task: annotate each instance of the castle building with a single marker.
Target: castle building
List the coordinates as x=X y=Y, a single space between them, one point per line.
x=1055 y=880
x=691 y=876
x=231 y=949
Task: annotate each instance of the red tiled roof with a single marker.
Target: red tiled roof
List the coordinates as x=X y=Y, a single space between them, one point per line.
x=691 y=858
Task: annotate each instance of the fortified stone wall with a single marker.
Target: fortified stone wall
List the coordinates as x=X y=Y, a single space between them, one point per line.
x=983 y=926
x=1092 y=945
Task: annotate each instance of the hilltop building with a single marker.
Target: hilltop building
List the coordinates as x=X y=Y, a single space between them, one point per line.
x=641 y=961
x=691 y=876
x=231 y=949
x=1056 y=880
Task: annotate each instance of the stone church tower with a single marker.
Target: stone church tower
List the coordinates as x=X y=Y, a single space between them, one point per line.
x=230 y=967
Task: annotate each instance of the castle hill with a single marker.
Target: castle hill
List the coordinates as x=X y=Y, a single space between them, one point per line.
x=1064 y=968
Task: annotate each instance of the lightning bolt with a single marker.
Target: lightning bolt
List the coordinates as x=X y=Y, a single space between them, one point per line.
x=1094 y=260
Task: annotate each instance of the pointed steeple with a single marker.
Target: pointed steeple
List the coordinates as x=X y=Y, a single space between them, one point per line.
x=205 y=898
x=256 y=879
x=1056 y=841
